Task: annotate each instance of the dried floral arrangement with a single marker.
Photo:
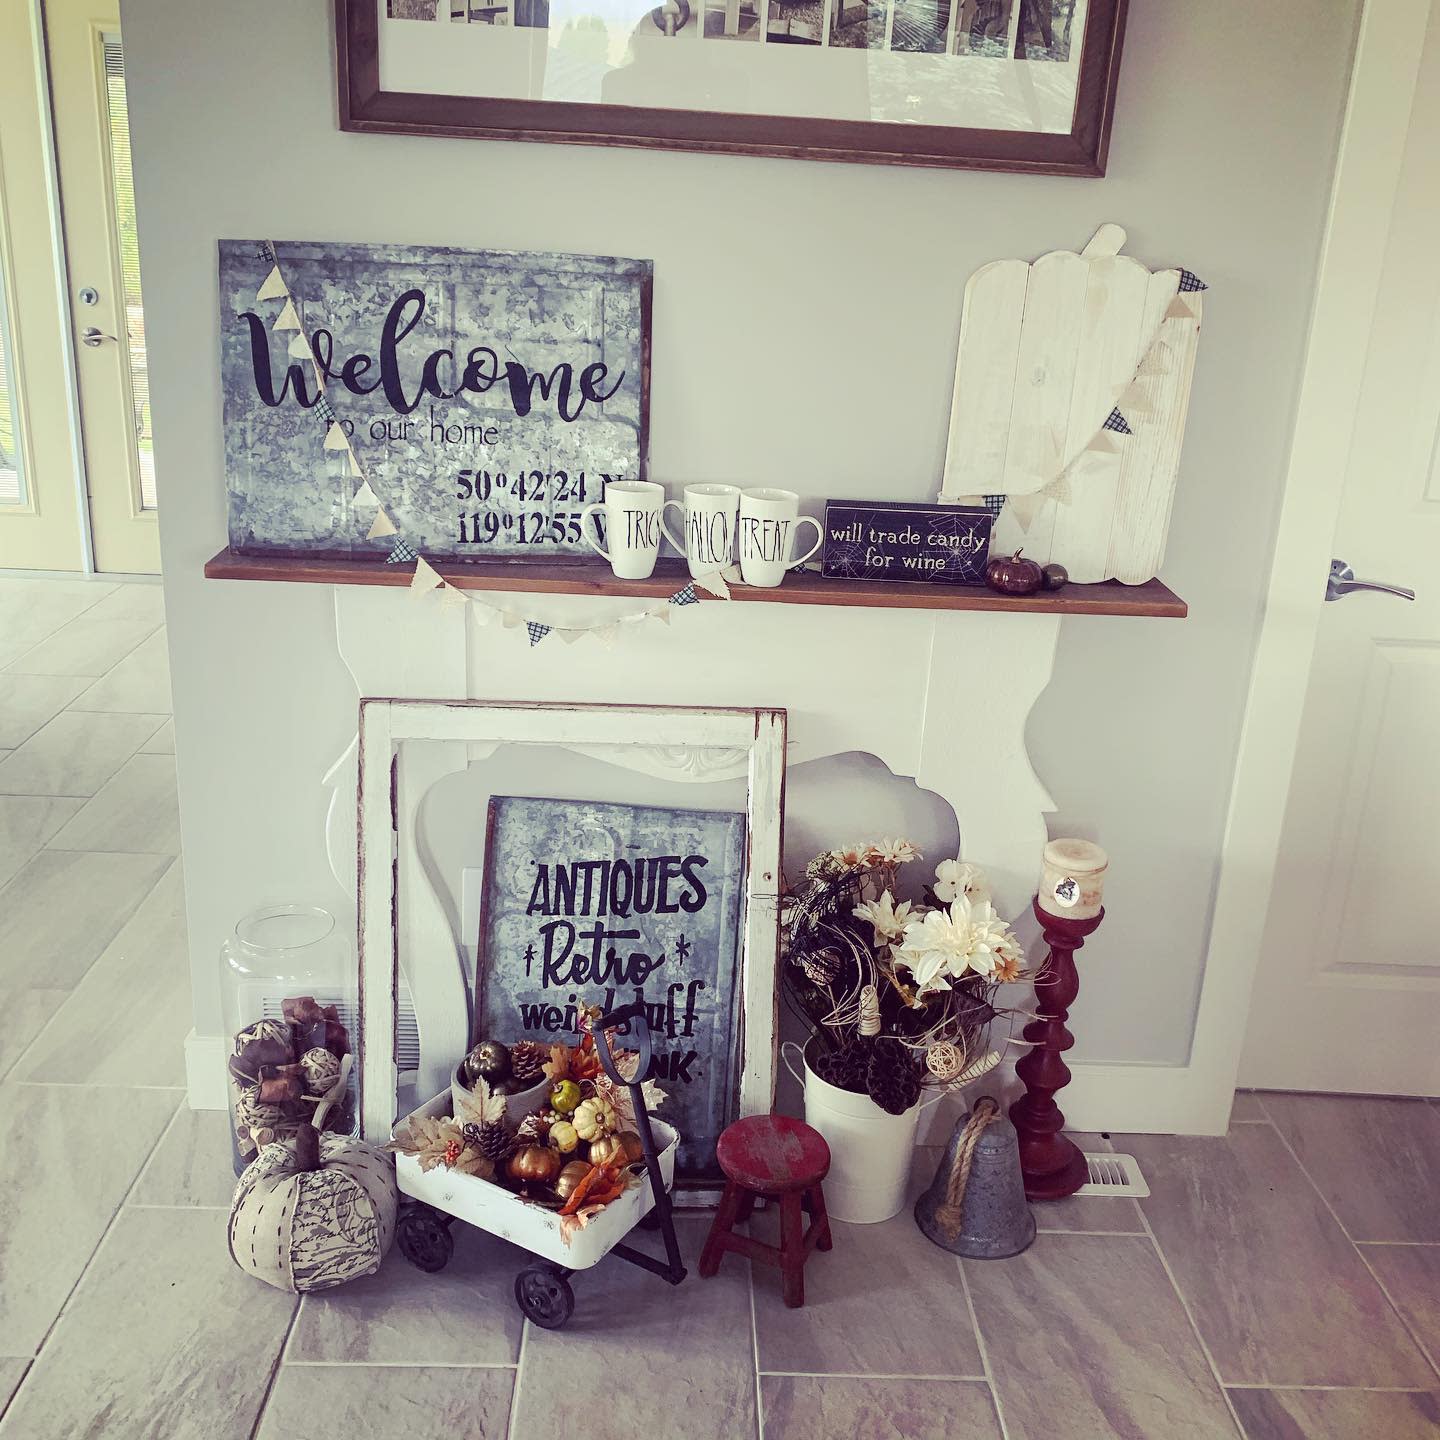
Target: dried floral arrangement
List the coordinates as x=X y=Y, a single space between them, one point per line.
x=575 y=1153
x=898 y=994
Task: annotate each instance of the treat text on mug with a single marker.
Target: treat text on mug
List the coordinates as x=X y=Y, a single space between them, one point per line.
x=762 y=539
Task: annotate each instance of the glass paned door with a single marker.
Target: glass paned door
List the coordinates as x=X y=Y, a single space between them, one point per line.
x=12 y=467
x=122 y=189
x=92 y=144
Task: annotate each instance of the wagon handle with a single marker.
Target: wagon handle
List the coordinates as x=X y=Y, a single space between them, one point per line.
x=634 y=1011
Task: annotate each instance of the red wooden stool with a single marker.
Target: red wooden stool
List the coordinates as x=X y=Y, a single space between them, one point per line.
x=785 y=1160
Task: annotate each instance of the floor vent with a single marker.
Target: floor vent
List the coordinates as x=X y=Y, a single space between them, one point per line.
x=1114 y=1175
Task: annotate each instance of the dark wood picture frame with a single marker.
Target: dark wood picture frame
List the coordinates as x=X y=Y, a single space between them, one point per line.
x=366 y=108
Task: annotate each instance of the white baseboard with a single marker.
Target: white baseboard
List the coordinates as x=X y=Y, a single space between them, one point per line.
x=205 y=1057
x=1127 y=1099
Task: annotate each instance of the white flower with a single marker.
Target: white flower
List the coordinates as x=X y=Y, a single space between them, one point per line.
x=851 y=856
x=947 y=944
x=887 y=919
x=959 y=877
x=893 y=852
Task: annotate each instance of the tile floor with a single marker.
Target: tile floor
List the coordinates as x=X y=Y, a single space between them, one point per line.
x=1282 y=1281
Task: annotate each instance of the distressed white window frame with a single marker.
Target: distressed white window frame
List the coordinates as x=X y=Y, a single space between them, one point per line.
x=394 y=734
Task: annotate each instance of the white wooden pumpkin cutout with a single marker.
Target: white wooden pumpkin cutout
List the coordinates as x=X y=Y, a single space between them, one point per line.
x=1047 y=351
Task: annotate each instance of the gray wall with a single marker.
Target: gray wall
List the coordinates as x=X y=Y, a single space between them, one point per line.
x=805 y=326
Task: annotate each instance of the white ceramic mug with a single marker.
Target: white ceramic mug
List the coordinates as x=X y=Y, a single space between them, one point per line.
x=634 y=513
x=710 y=513
x=769 y=522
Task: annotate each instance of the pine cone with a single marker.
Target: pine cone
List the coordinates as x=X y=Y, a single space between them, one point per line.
x=534 y=1128
x=494 y=1142
x=527 y=1062
x=891 y=1079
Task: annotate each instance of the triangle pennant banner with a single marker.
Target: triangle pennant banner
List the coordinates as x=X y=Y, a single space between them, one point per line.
x=1059 y=488
x=1189 y=280
x=300 y=346
x=687 y=596
x=1134 y=401
x=425 y=579
x=714 y=584
x=1156 y=361
x=365 y=496
x=1026 y=507
x=273 y=286
x=382 y=527
x=287 y=319
x=536 y=631
x=661 y=613
x=1180 y=309
x=452 y=598
x=1118 y=423
x=510 y=620
x=571 y=636
x=402 y=553
x=335 y=437
x=355 y=466
x=1102 y=444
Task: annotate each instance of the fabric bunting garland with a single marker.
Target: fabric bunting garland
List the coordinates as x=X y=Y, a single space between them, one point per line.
x=687 y=596
x=536 y=631
x=1117 y=422
x=402 y=553
x=382 y=527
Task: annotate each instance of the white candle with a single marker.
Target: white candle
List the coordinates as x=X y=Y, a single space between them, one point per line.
x=1072 y=879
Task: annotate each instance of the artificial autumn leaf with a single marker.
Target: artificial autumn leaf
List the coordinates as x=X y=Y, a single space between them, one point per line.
x=557 y=1068
x=482 y=1107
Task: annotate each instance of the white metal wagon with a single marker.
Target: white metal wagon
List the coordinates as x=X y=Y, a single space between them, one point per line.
x=543 y=1290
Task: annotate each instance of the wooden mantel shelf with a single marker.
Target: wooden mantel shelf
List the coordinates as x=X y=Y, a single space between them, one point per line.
x=594 y=578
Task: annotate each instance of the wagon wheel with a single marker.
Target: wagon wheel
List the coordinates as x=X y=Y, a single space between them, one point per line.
x=544 y=1296
x=424 y=1239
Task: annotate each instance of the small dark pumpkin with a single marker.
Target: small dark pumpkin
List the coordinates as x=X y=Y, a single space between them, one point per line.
x=1014 y=575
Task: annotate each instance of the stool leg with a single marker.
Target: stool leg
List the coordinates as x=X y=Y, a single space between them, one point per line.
x=719 y=1229
x=815 y=1198
x=747 y=1204
x=792 y=1250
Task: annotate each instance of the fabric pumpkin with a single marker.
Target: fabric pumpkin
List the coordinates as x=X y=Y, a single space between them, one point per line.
x=313 y=1212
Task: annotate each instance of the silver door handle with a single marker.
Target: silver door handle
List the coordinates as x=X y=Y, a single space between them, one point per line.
x=92 y=336
x=1342 y=582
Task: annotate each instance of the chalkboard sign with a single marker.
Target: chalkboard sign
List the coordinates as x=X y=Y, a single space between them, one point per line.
x=889 y=540
x=591 y=903
x=486 y=396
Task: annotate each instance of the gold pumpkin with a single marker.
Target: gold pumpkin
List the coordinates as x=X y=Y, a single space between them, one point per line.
x=595 y=1117
x=534 y=1165
x=570 y=1177
x=606 y=1149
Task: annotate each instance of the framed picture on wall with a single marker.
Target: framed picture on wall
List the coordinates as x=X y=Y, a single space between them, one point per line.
x=1024 y=85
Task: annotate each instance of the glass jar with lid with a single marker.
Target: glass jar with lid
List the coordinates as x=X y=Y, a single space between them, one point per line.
x=289 y=992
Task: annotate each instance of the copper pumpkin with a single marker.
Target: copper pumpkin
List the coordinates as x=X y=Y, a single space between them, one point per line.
x=534 y=1165
x=1014 y=575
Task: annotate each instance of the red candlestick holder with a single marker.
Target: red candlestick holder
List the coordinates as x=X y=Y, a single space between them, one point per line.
x=1052 y=1164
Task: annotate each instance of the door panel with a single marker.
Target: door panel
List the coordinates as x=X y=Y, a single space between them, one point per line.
x=40 y=525
x=93 y=149
x=1347 y=996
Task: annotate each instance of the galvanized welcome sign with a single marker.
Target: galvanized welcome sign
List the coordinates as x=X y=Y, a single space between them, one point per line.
x=891 y=540
x=593 y=903
x=486 y=395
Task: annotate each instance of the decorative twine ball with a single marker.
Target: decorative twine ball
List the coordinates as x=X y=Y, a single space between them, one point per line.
x=944 y=1060
x=313 y=1212
x=320 y=1068
x=276 y=1031
x=253 y=1113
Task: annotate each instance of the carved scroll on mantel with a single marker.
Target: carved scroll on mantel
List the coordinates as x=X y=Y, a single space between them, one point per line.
x=940 y=696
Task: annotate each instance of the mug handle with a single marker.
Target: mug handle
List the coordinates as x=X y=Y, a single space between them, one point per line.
x=679 y=545
x=819 y=540
x=585 y=535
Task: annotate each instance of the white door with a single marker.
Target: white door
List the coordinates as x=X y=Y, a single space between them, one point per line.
x=1347 y=994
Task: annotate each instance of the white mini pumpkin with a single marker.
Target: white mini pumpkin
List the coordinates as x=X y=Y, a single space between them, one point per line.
x=313 y=1212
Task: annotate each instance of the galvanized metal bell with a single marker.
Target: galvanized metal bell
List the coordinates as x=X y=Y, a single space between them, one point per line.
x=979 y=1212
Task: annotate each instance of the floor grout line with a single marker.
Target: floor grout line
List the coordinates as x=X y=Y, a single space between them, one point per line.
x=755 y=1353
x=100 y=1242
x=872 y=1375
x=1421 y=1244
x=275 y=1369
x=984 y=1350
x=392 y=1364
x=1405 y=1325
x=519 y=1375
x=1190 y=1316
x=1342 y=1389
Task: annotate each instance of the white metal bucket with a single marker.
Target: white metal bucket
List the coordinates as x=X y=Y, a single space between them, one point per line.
x=870 y=1149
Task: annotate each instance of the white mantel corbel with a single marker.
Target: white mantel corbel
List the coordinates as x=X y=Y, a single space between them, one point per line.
x=941 y=696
